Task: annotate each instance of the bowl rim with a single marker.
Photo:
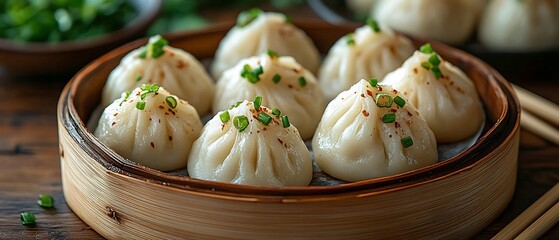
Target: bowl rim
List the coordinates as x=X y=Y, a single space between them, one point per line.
x=464 y=161
x=148 y=11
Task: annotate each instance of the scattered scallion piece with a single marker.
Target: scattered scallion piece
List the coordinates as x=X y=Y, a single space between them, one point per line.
x=264 y=118
x=248 y=16
x=272 y=54
x=235 y=105
x=144 y=94
x=257 y=102
x=383 y=100
x=426 y=48
x=285 y=121
x=302 y=81
x=373 y=24
x=154 y=88
x=399 y=101
x=276 y=112
x=434 y=60
x=138 y=78
x=426 y=65
x=373 y=82
x=224 y=116
x=45 y=201
x=437 y=72
x=407 y=142
x=276 y=78
x=171 y=101
x=154 y=48
x=125 y=96
x=288 y=19
x=28 y=218
x=240 y=122
x=389 y=118
x=349 y=40
x=141 y=105
x=252 y=75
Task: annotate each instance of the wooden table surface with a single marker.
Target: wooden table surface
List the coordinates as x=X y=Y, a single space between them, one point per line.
x=30 y=161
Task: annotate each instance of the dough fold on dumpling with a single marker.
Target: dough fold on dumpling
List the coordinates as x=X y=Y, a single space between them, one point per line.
x=176 y=70
x=265 y=31
x=363 y=54
x=253 y=153
x=282 y=82
x=449 y=103
x=158 y=133
x=525 y=25
x=450 y=21
x=356 y=140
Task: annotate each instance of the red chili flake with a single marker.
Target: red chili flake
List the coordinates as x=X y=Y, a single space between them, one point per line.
x=394 y=91
x=379 y=88
x=362 y=95
x=393 y=110
x=115 y=114
x=396 y=124
x=152 y=144
x=290 y=86
x=409 y=114
x=161 y=74
x=369 y=92
x=415 y=70
x=112 y=124
x=161 y=107
x=460 y=90
x=180 y=64
x=280 y=141
x=170 y=138
x=392 y=49
x=365 y=113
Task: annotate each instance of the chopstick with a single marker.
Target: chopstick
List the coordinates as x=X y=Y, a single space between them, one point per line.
x=543 y=108
x=548 y=202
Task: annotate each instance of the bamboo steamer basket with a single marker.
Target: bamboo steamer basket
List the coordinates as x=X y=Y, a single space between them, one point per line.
x=455 y=198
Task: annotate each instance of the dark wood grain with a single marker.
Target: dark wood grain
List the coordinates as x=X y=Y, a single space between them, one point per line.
x=30 y=163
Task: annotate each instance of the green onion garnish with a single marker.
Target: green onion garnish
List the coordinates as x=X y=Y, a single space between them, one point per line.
x=389 y=118
x=437 y=72
x=373 y=24
x=144 y=87
x=373 y=82
x=302 y=81
x=143 y=54
x=27 y=218
x=155 y=47
x=141 y=105
x=224 y=116
x=45 y=201
x=240 y=122
x=288 y=19
x=144 y=94
x=264 y=118
x=235 y=105
x=276 y=112
x=407 y=142
x=138 y=78
x=349 y=39
x=248 y=16
x=257 y=102
x=399 y=101
x=251 y=75
x=434 y=60
x=285 y=121
x=154 y=88
x=124 y=95
x=426 y=65
x=272 y=54
x=171 y=101
x=426 y=48
x=383 y=100
x=276 y=78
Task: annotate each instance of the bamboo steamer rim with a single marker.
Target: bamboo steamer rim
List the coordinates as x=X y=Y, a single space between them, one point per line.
x=506 y=123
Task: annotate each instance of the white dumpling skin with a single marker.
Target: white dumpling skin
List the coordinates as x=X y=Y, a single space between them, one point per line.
x=450 y=21
x=450 y=104
x=176 y=70
x=352 y=142
x=372 y=55
x=517 y=26
x=303 y=104
x=267 y=31
x=259 y=155
x=158 y=137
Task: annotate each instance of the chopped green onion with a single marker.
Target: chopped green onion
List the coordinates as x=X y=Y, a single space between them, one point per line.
x=155 y=47
x=272 y=54
x=240 y=122
x=373 y=82
x=125 y=95
x=141 y=105
x=373 y=24
x=434 y=60
x=426 y=65
x=138 y=78
x=257 y=102
x=171 y=101
x=45 y=201
x=276 y=112
x=288 y=19
x=437 y=72
x=28 y=218
x=349 y=39
x=276 y=78
x=389 y=118
x=426 y=48
x=154 y=88
x=144 y=87
x=144 y=94
x=235 y=105
x=264 y=118
x=302 y=81
x=285 y=121
x=143 y=54
x=248 y=16
x=224 y=116
x=251 y=75
x=399 y=101
x=407 y=142
x=383 y=100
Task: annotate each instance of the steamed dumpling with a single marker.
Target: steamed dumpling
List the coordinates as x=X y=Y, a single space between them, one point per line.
x=281 y=81
x=451 y=21
x=372 y=51
x=257 y=31
x=513 y=25
x=353 y=142
x=151 y=127
x=176 y=70
x=236 y=147
x=446 y=98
